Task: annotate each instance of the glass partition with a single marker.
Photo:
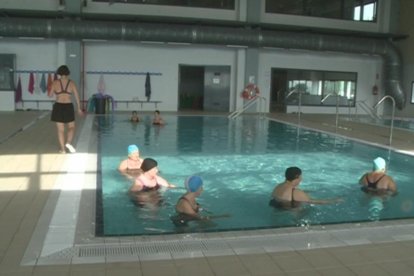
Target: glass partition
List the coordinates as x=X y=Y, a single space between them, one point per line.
x=316 y=85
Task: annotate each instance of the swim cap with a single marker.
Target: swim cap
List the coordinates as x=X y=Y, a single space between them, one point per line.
x=148 y=164
x=132 y=149
x=193 y=183
x=292 y=173
x=379 y=164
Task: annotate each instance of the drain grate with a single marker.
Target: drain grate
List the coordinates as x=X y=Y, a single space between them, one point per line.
x=99 y=251
x=149 y=248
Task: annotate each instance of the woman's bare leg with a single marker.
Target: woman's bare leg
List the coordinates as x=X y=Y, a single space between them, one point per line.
x=61 y=135
x=71 y=132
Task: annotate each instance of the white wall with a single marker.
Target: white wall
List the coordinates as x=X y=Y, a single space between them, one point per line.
x=165 y=59
x=33 y=55
x=156 y=58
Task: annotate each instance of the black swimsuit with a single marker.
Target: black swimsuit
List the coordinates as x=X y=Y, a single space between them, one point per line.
x=373 y=185
x=64 y=90
x=197 y=205
x=182 y=219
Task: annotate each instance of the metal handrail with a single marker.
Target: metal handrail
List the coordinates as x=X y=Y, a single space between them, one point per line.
x=299 y=101
x=392 y=114
x=367 y=109
x=337 y=106
x=237 y=112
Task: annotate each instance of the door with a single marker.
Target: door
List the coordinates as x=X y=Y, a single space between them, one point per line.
x=278 y=90
x=216 y=88
x=191 y=87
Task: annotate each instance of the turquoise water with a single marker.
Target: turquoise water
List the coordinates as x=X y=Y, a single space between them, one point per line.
x=241 y=161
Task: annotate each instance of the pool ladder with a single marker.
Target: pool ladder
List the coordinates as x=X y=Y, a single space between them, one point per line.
x=258 y=99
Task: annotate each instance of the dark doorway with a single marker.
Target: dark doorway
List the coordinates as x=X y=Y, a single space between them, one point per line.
x=278 y=90
x=191 y=87
x=204 y=88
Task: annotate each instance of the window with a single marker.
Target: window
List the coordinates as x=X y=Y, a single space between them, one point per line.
x=412 y=92
x=213 y=4
x=358 y=10
x=318 y=85
x=7 y=67
x=365 y=10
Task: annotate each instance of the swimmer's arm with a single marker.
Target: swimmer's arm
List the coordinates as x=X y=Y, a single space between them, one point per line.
x=122 y=166
x=137 y=186
x=162 y=182
x=392 y=187
x=301 y=196
x=187 y=209
x=363 y=180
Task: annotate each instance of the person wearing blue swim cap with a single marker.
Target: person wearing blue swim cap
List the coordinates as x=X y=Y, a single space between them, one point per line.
x=132 y=163
x=377 y=181
x=187 y=204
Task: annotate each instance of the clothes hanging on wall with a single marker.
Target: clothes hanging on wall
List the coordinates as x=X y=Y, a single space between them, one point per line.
x=37 y=84
x=43 y=85
x=18 y=92
x=101 y=85
x=30 y=87
x=49 y=82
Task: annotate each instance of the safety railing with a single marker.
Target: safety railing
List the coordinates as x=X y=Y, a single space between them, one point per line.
x=367 y=109
x=257 y=99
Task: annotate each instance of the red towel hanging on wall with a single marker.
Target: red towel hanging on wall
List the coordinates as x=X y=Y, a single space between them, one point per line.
x=30 y=88
x=49 y=83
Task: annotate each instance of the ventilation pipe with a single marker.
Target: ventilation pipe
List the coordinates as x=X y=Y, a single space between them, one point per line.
x=105 y=30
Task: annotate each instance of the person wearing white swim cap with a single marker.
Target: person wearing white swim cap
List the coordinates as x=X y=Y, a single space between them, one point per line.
x=377 y=181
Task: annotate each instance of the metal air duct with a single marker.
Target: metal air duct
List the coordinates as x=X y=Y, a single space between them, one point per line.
x=106 y=30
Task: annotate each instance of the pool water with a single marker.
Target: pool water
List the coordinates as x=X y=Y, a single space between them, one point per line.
x=241 y=161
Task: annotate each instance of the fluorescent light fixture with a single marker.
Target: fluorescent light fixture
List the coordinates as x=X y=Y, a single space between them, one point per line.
x=31 y=37
x=272 y=48
x=178 y=43
x=94 y=40
x=236 y=46
x=152 y=42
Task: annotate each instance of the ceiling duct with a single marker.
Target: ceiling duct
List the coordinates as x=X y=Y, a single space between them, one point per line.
x=180 y=33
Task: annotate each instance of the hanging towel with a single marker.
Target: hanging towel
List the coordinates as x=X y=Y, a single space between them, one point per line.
x=49 y=83
x=18 y=94
x=101 y=85
x=36 y=84
x=43 y=85
x=148 y=87
x=30 y=88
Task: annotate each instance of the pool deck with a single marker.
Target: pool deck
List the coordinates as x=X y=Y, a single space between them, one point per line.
x=31 y=167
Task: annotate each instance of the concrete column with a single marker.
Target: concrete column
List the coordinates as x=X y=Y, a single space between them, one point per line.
x=74 y=51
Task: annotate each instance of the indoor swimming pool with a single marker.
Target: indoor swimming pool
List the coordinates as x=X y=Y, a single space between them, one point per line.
x=240 y=161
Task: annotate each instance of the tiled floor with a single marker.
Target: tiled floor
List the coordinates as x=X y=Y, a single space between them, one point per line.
x=30 y=167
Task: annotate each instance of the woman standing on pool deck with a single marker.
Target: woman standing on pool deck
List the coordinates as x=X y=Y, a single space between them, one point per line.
x=63 y=112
